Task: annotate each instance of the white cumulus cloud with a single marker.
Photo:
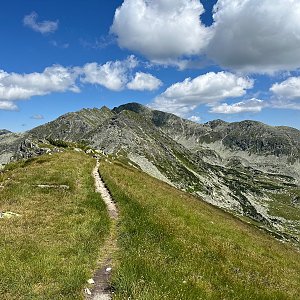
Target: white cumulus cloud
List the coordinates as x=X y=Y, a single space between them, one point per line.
x=183 y=97
x=144 y=81
x=252 y=105
x=7 y=105
x=286 y=94
x=195 y=119
x=250 y=36
x=290 y=88
x=161 y=30
x=113 y=74
x=259 y=36
x=43 y=27
x=14 y=86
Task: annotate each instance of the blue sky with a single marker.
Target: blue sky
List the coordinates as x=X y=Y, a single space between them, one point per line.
x=173 y=55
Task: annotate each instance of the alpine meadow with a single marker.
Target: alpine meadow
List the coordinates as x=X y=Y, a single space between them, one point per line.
x=149 y=150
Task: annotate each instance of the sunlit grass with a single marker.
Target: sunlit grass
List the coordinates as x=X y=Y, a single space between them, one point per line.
x=174 y=246
x=51 y=249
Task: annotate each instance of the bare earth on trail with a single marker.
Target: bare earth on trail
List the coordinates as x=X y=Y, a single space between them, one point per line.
x=101 y=289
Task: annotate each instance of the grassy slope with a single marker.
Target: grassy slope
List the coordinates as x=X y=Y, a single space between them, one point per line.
x=173 y=246
x=49 y=252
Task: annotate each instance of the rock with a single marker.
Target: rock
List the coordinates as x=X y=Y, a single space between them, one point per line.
x=4 y=131
x=46 y=150
x=91 y=281
x=108 y=270
x=296 y=200
x=87 y=291
x=28 y=149
x=49 y=186
x=8 y=215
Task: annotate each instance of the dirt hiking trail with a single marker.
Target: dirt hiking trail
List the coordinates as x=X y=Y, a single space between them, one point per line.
x=100 y=288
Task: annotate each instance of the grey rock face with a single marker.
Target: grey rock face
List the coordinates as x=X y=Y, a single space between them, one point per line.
x=267 y=148
x=9 y=146
x=72 y=126
x=29 y=149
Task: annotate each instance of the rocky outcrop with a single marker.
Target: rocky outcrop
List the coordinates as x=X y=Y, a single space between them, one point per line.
x=9 y=146
x=30 y=149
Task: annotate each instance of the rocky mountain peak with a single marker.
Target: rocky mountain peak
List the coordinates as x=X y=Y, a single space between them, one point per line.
x=105 y=109
x=4 y=131
x=216 y=123
x=133 y=106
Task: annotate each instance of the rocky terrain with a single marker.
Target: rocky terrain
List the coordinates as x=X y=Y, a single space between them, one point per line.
x=10 y=144
x=248 y=168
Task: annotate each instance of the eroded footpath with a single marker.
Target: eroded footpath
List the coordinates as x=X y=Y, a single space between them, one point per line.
x=100 y=288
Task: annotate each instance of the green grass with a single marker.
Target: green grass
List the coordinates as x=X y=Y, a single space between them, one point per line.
x=51 y=250
x=174 y=246
x=281 y=205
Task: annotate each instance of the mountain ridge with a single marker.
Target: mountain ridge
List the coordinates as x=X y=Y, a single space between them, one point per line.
x=241 y=167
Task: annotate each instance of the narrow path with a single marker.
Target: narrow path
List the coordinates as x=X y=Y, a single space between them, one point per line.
x=100 y=188
x=101 y=289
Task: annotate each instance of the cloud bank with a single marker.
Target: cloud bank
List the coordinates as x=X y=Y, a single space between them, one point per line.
x=290 y=88
x=14 y=86
x=251 y=36
x=8 y=105
x=259 y=36
x=113 y=75
x=210 y=88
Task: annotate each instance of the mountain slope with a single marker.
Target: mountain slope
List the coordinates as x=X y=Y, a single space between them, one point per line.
x=248 y=168
x=171 y=245
x=230 y=182
x=174 y=246
x=73 y=126
x=267 y=148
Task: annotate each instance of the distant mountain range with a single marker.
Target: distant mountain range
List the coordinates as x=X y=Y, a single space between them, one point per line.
x=248 y=168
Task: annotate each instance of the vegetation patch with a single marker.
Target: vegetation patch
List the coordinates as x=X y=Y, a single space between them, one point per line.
x=282 y=205
x=51 y=249
x=174 y=246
